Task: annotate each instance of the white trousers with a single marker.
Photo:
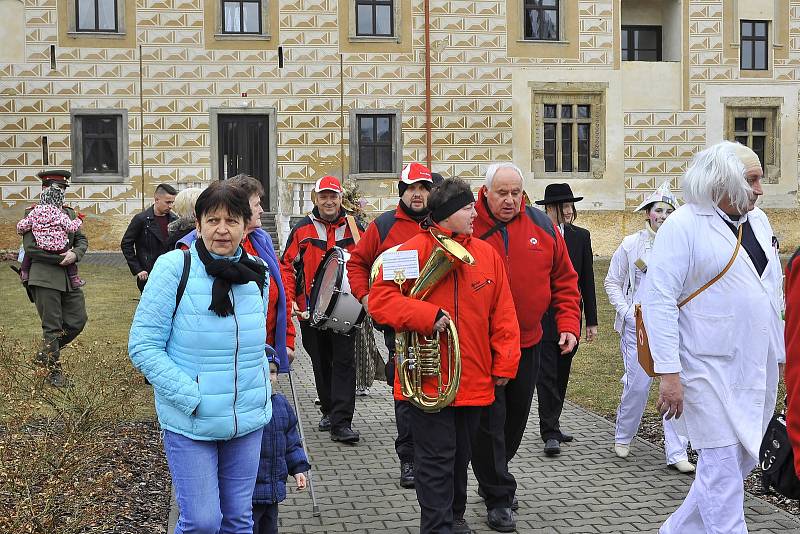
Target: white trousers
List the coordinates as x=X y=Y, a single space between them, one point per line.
x=715 y=503
x=635 y=390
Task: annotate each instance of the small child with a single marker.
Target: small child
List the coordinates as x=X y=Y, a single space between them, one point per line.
x=282 y=455
x=50 y=226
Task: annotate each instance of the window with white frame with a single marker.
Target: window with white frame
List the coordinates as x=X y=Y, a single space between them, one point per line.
x=99 y=145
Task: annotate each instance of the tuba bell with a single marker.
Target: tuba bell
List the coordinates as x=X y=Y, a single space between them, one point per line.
x=418 y=356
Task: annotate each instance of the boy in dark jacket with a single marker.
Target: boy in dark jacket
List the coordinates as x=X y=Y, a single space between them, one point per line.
x=282 y=455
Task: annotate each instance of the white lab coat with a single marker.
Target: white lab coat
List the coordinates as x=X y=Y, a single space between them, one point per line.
x=727 y=342
x=623 y=279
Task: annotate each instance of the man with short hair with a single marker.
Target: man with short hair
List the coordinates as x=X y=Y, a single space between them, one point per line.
x=332 y=354
x=477 y=299
x=717 y=341
x=145 y=239
x=541 y=275
x=61 y=307
x=390 y=229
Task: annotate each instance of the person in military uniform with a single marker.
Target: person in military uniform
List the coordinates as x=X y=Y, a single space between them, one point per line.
x=61 y=307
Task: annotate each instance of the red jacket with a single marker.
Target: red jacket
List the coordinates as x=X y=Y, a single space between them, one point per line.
x=387 y=230
x=534 y=251
x=478 y=300
x=308 y=242
x=272 y=306
x=792 y=339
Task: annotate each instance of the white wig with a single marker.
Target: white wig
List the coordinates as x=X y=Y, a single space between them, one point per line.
x=716 y=173
x=492 y=169
x=185 y=201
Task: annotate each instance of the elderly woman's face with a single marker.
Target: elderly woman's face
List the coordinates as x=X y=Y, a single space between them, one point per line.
x=658 y=213
x=221 y=232
x=255 y=220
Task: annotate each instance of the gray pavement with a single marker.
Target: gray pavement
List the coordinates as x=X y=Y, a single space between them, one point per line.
x=585 y=490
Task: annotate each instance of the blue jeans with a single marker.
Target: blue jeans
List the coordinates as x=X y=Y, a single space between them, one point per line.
x=214 y=482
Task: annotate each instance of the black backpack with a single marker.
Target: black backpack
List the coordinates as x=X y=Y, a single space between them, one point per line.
x=777 y=460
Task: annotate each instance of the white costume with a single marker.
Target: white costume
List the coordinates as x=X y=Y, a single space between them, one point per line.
x=623 y=284
x=726 y=344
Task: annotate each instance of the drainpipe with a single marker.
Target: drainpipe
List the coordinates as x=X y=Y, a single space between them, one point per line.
x=428 y=156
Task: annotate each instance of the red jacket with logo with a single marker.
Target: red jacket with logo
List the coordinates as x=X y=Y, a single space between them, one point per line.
x=792 y=339
x=538 y=266
x=387 y=230
x=308 y=242
x=478 y=299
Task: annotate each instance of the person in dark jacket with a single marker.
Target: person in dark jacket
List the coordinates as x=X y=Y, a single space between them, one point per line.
x=282 y=455
x=145 y=239
x=559 y=204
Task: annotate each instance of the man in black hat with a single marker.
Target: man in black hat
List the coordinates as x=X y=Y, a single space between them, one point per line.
x=559 y=204
x=61 y=307
x=146 y=237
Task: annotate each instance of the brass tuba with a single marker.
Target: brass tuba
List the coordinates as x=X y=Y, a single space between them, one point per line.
x=418 y=356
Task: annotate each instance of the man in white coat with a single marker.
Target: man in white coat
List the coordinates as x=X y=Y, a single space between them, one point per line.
x=719 y=355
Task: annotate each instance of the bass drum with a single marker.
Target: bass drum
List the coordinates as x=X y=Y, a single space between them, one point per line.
x=332 y=306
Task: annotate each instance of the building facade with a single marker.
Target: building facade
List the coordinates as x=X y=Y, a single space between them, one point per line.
x=613 y=96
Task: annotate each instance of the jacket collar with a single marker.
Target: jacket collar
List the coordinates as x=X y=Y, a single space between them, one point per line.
x=463 y=239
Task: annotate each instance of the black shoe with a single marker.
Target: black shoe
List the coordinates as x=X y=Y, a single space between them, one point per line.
x=460 y=526
x=57 y=379
x=514 y=505
x=345 y=435
x=566 y=438
x=501 y=520
x=406 y=475
x=324 y=424
x=552 y=447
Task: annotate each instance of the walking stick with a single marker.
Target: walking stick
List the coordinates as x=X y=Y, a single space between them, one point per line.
x=314 y=505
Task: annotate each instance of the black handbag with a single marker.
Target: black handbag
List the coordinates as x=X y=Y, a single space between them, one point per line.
x=777 y=460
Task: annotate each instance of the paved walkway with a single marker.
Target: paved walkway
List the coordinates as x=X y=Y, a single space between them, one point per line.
x=585 y=490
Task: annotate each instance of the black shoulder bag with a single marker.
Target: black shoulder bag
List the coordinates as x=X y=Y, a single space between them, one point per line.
x=777 y=459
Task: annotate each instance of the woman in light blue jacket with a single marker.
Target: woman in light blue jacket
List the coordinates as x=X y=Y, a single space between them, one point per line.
x=204 y=353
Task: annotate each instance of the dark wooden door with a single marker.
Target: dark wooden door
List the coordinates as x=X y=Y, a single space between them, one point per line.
x=244 y=148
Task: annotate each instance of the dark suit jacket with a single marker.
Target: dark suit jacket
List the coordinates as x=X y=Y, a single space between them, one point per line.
x=579 y=246
x=143 y=241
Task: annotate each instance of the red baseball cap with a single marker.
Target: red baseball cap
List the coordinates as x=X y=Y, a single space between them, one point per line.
x=328 y=183
x=414 y=173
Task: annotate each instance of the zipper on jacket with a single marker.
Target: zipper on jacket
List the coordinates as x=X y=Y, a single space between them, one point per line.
x=274 y=477
x=504 y=233
x=235 y=367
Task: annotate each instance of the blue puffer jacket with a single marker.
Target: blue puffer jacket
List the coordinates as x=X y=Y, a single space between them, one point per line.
x=282 y=453
x=209 y=373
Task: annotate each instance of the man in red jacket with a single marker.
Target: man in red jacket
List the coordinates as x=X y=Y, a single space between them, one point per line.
x=477 y=299
x=332 y=354
x=386 y=231
x=541 y=276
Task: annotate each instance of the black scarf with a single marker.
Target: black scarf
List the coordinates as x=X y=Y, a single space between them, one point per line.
x=226 y=273
x=417 y=216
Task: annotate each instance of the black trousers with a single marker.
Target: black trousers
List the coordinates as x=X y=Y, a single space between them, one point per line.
x=552 y=388
x=265 y=518
x=404 y=443
x=333 y=360
x=501 y=429
x=442 y=451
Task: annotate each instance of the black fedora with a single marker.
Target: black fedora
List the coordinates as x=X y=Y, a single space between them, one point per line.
x=557 y=194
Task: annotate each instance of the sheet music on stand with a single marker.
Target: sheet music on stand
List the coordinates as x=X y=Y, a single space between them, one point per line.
x=405 y=262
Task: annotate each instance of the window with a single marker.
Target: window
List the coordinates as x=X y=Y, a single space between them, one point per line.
x=96 y=15
x=754 y=122
x=99 y=145
x=375 y=18
x=567 y=133
x=568 y=130
x=541 y=20
x=641 y=43
x=241 y=16
x=754 y=50
x=375 y=141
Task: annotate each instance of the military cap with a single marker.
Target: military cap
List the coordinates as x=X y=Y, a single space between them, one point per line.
x=55 y=176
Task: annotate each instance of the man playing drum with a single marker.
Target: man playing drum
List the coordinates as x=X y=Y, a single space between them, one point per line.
x=332 y=353
x=474 y=295
x=389 y=229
